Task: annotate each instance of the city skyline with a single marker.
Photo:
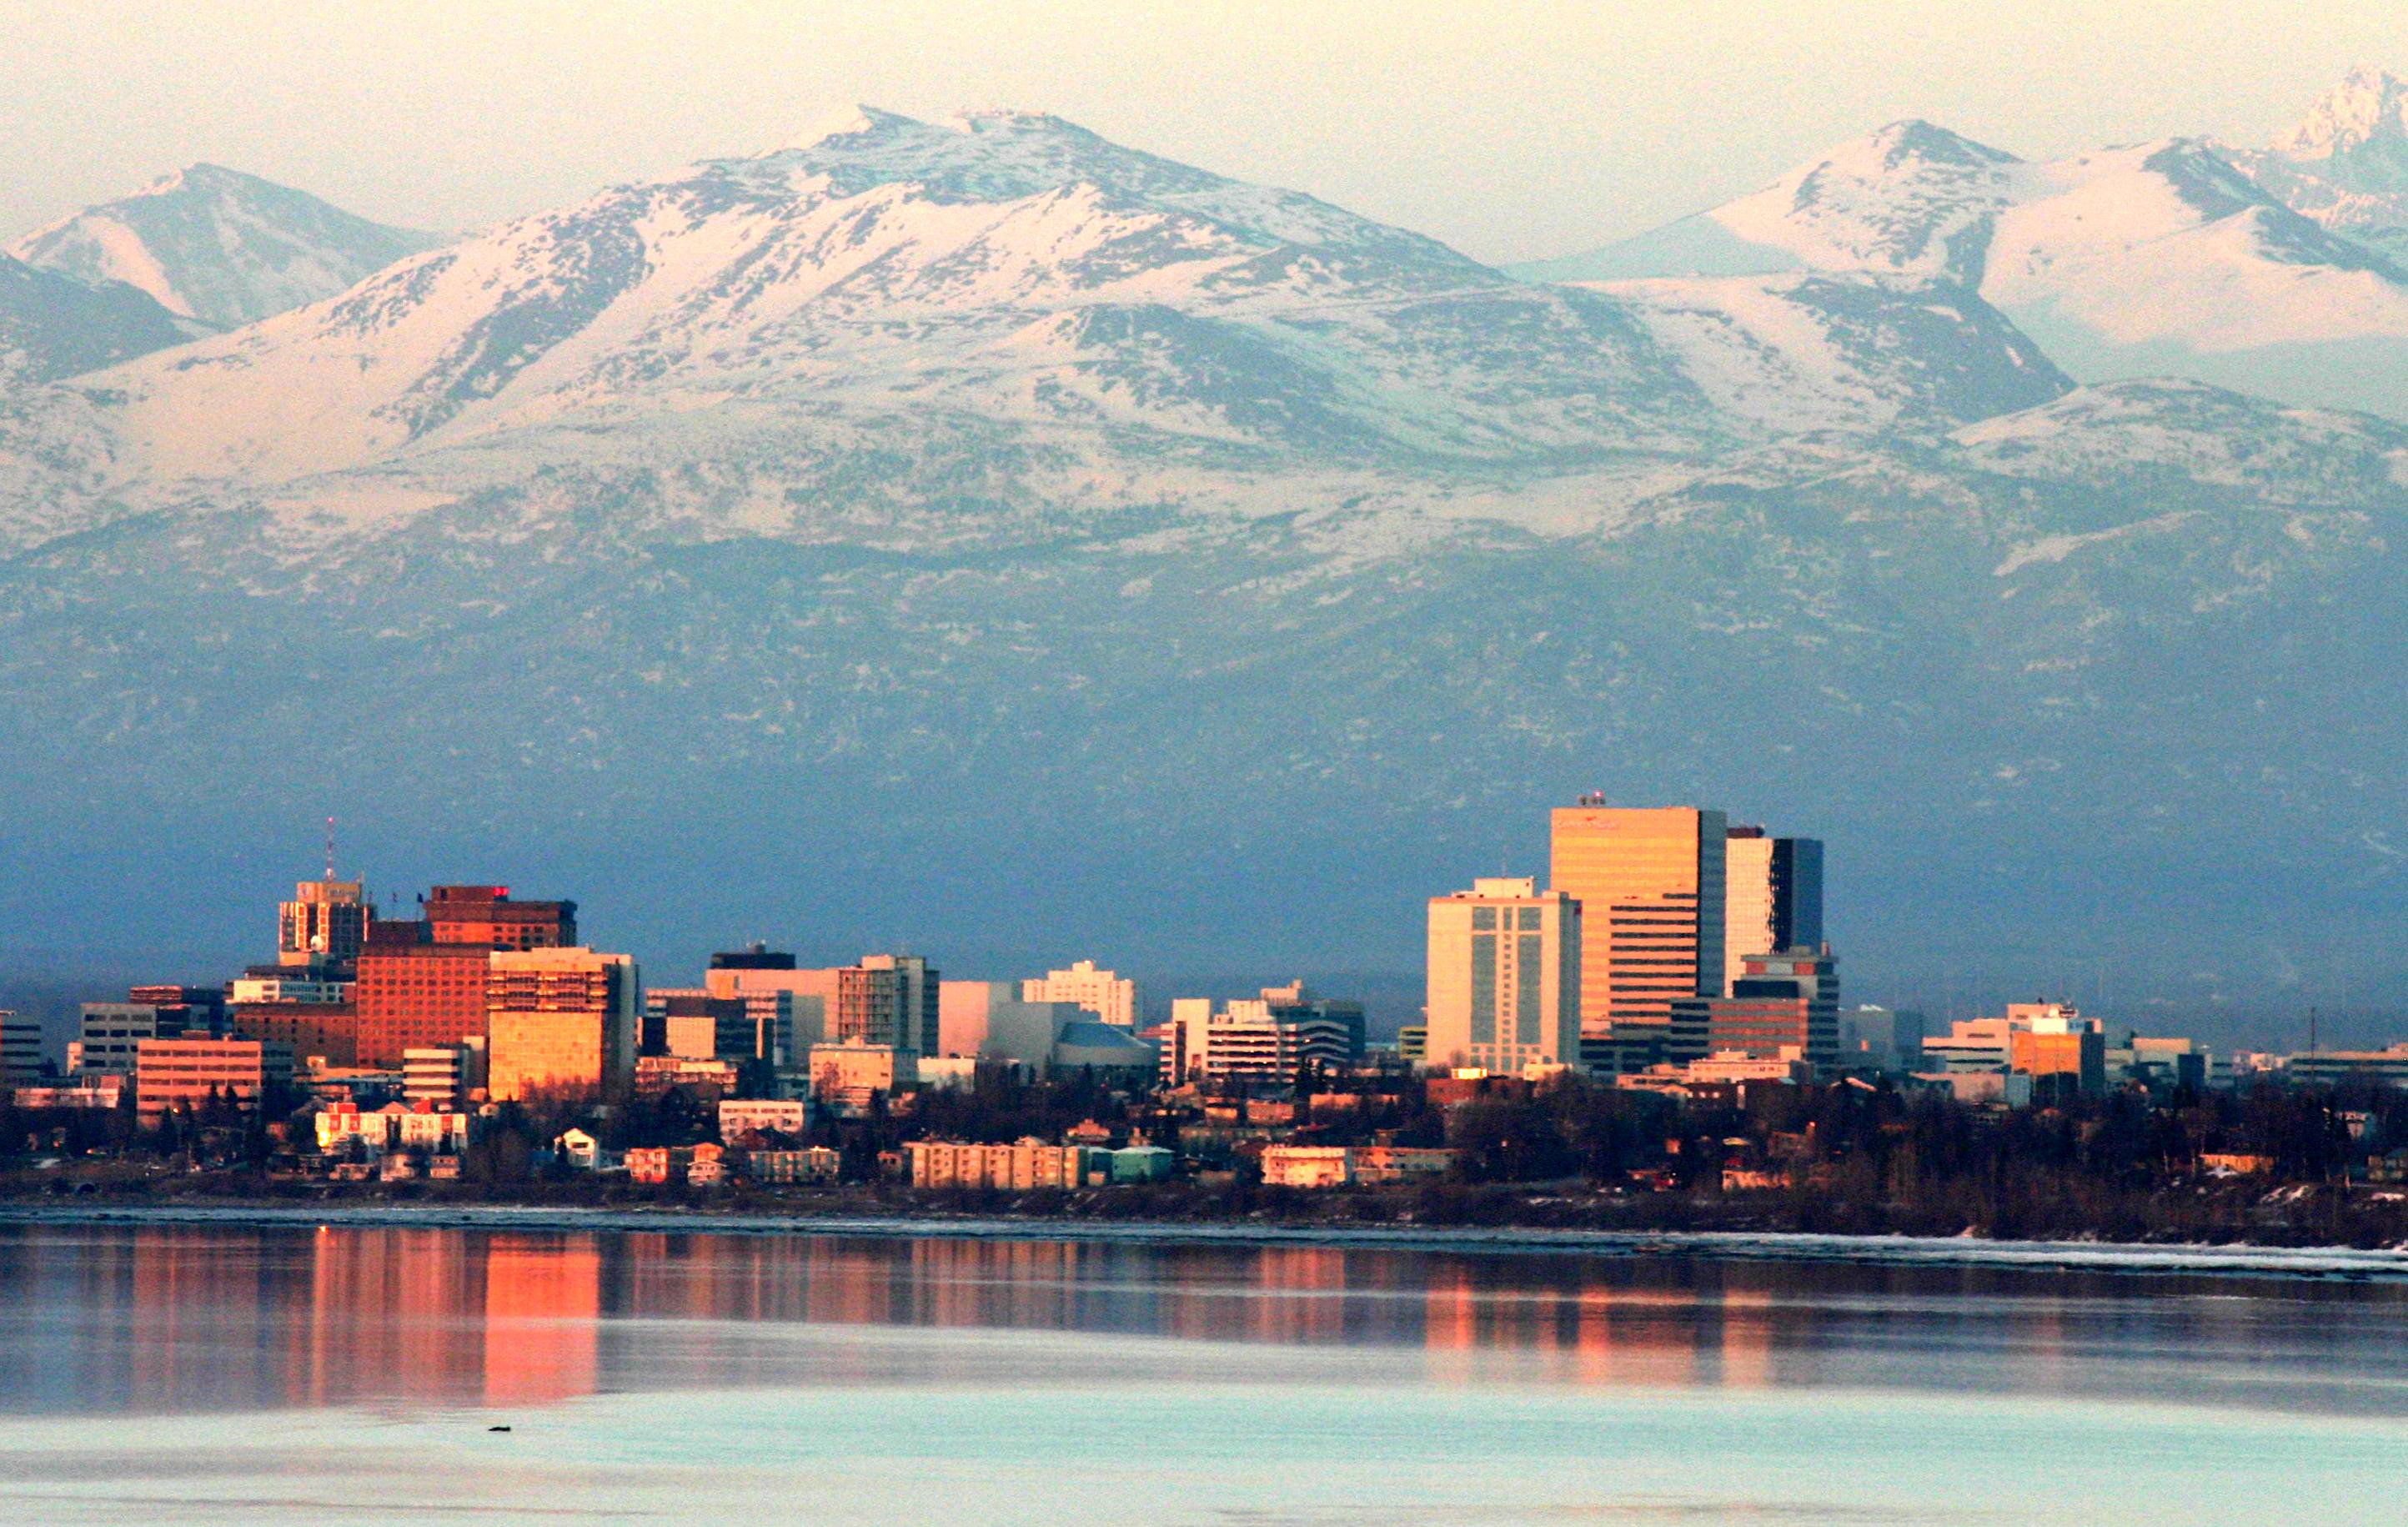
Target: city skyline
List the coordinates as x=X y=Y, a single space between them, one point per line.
x=1764 y=872
x=1115 y=761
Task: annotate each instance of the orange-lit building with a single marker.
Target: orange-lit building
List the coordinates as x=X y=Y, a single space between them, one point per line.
x=1773 y=897
x=486 y=917
x=1503 y=977
x=323 y=926
x=187 y=1071
x=2053 y=1040
x=327 y=1031
x=416 y=996
x=1650 y=882
x=559 y=1022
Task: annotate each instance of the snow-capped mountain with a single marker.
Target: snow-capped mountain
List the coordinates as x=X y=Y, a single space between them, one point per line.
x=1169 y=557
x=2346 y=165
x=2158 y=257
x=53 y=325
x=1911 y=200
x=1019 y=270
x=219 y=247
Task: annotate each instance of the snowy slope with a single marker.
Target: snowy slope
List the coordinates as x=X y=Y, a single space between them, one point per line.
x=1018 y=270
x=1911 y=200
x=219 y=247
x=2162 y=257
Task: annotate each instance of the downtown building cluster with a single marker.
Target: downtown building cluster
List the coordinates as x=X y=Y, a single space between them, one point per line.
x=1671 y=952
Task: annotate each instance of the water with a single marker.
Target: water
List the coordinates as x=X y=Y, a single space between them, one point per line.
x=218 y=1372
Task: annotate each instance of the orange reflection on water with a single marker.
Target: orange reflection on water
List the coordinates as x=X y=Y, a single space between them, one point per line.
x=542 y=1308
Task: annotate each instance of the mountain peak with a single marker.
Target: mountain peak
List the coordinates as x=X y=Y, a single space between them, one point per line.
x=1912 y=139
x=218 y=246
x=849 y=121
x=2368 y=106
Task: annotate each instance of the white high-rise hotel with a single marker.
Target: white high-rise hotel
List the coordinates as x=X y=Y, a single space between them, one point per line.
x=1504 y=977
x=1100 y=992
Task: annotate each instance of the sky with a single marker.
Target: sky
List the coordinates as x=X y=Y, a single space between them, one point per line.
x=1510 y=130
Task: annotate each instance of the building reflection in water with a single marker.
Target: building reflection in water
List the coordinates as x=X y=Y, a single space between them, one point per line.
x=170 y=1318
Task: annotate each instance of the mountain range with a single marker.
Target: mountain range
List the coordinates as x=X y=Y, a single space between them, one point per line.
x=983 y=536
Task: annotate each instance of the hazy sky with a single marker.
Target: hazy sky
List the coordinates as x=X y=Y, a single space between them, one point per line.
x=1512 y=130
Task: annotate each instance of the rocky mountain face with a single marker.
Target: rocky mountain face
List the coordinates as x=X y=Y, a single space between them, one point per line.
x=2346 y=165
x=983 y=536
x=219 y=248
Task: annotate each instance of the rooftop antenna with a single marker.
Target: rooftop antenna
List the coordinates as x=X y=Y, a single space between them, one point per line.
x=330 y=848
x=2311 y=1031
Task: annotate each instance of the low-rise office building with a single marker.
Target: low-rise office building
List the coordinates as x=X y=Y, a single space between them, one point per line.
x=739 y=1117
x=2386 y=1067
x=849 y=1077
x=813 y=1163
x=1337 y=1166
x=443 y=1076
x=110 y=1036
x=190 y=1070
x=1263 y=1039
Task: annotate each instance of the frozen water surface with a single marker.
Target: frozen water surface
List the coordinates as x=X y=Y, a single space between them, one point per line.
x=219 y=1372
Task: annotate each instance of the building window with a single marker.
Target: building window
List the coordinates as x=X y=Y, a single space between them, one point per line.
x=1483 y=988
x=1528 y=1008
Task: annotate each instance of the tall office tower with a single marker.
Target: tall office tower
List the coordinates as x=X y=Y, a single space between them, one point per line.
x=559 y=1022
x=1504 y=977
x=486 y=917
x=1772 y=895
x=323 y=925
x=1101 y=992
x=1650 y=883
x=868 y=1008
x=412 y=994
x=919 y=1018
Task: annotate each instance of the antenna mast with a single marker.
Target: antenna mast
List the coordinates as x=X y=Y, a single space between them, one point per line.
x=330 y=848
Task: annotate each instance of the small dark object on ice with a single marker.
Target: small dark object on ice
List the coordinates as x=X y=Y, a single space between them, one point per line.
x=498 y=1429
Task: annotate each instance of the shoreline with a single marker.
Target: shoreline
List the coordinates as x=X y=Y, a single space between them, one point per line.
x=2389 y=1264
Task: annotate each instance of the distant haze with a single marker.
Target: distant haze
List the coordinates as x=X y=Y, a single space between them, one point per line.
x=1512 y=131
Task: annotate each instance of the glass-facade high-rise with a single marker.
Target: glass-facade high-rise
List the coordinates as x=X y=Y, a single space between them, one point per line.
x=1773 y=897
x=1650 y=882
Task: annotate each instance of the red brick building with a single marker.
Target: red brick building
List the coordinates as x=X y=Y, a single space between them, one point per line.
x=421 y=985
x=486 y=917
